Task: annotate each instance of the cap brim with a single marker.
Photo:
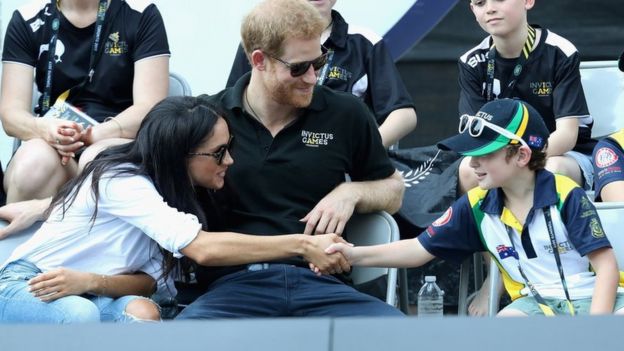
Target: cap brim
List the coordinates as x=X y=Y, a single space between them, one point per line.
x=468 y=146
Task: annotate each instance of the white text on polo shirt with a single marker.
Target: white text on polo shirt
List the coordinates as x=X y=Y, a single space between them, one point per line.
x=315 y=139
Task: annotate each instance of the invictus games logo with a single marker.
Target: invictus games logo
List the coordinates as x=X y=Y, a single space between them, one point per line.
x=314 y=139
x=114 y=46
x=541 y=88
x=339 y=73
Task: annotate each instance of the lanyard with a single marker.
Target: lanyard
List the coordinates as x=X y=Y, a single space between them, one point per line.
x=543 y=305
x=491 y=63
x=99 y=24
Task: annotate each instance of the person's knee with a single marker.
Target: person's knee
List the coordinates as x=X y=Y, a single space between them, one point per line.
x=510 y=312
x=143 y=309
x=565 y=166
x=34 y=164
x=81 y=311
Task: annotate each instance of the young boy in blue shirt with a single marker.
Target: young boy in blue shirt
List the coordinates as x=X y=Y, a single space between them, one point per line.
x=518 y=214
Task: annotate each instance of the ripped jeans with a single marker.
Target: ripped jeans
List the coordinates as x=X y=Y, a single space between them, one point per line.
x=18 y=305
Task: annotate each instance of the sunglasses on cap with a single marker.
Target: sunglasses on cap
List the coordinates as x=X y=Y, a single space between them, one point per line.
x=219 y=155
x=475 y=126
x=298 y=69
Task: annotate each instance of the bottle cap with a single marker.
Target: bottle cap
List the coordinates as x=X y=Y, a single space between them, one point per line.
x=430 y=278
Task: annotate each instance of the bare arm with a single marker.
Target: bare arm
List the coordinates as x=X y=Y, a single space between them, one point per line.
x=18 y=120
x=150 y=85
x=613 y=192
x=63 y=282
x=228 y=249
x=607 y=279
x=331 y=214
x=563 y=139
x=398 y=124
x=403 y=253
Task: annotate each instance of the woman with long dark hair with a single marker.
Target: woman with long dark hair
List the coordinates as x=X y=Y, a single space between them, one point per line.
x=112 y=218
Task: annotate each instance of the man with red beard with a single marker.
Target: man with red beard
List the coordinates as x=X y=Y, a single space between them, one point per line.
x=293 y=143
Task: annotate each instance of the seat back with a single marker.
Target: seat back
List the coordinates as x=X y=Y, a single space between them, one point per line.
x=603 y=84
x=372 y=229
x=178 y=86
x=612 y=218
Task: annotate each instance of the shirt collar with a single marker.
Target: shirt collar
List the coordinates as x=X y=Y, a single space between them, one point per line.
x=233 y=97
x=340 y=29
x=544 y=195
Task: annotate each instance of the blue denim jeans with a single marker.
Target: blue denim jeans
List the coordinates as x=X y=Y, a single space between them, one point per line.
x=279 y=290
x=18 y=305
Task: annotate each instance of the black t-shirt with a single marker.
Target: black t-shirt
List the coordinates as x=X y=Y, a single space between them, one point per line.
x=358 y=63
x=550 y=82
x=134 y=30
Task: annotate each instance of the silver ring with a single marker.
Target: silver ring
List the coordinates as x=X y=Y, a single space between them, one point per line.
x=58 y=141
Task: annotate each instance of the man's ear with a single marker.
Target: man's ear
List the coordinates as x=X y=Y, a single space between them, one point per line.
x=529 y=4
x=258 y=59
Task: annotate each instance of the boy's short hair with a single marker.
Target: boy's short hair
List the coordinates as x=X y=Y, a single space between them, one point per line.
x=271 y=22
x=499 y=123
x=538 y=157
x=621 y=62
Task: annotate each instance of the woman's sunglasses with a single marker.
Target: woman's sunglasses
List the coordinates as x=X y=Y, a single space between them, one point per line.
x=219 y=155
x=297 y=69
x=475 y=126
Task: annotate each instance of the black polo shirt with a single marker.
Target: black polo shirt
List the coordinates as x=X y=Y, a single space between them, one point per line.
x=359 y=63
x=276 y=181
x=550 y=82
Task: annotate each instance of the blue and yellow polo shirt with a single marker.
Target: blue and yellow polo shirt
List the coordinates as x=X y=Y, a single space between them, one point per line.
x=478 y=220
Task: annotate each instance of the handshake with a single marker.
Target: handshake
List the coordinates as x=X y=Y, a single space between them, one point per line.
x=327 y=254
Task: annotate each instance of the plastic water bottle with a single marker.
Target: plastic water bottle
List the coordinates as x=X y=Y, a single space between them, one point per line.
x=430 y=299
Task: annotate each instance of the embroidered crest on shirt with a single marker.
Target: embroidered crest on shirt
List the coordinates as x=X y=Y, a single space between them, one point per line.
x=596 y=228
x=541 y=88
x=114 y=46
x=339 y=73
x=605 y=157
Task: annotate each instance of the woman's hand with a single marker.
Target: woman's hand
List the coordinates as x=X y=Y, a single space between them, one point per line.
x=64 y=136
x=61 y=282
x=22 y=215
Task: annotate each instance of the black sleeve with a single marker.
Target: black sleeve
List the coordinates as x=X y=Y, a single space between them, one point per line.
x=454 y=236
x=568 y=95
x=387 y=91
x=370 y=158
x=19 y=42
x=240 y=66
x=470 y=95
x=151 y=36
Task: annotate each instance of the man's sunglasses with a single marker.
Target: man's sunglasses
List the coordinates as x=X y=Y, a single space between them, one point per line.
x=475 y=126
x=297 y=69
x=219 y=155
